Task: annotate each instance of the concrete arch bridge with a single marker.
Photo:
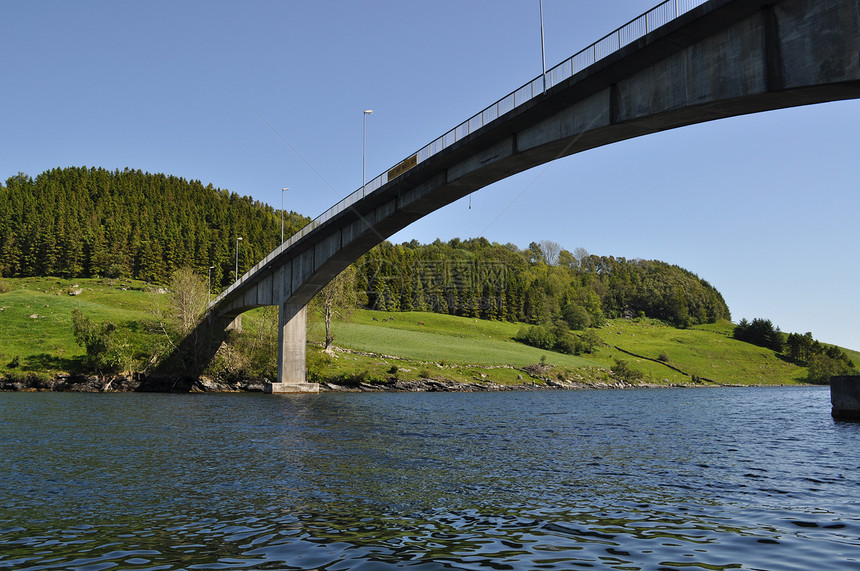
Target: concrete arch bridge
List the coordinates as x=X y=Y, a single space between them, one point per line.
x=683 y=62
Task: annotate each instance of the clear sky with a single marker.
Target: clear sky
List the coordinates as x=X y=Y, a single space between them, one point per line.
x=255 y=96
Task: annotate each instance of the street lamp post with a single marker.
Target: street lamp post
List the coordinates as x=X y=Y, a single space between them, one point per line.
x=364 y=149
x=542 y=48
x=283 y=190
x=238 y=239
x=209 y=287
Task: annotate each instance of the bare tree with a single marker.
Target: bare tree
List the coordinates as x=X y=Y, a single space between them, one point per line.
x=178 y=318
x=188 y=298
x=337 y=297
x=550 y=251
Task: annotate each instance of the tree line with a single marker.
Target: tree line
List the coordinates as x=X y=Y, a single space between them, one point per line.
x=86 y=222
x=543 y=284
x=823 y=361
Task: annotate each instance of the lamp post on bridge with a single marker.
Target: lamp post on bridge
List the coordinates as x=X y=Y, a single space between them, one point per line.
x=209 y=287
x=283 y=190
x=238 y=239
x=542 y=49
x=364 y=150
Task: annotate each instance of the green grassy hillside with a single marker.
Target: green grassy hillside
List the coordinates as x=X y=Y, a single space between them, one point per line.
x=708 y=352
x=36 y=337
x=36 y=319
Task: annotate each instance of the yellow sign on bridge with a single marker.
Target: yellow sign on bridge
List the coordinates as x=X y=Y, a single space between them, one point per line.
x=402 y=167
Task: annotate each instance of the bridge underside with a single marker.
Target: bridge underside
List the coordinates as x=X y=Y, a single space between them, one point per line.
x=723 y=59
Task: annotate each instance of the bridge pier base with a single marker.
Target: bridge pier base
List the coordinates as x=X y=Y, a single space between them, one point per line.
x=292 y=341
x=845 y=397
x=236 y=324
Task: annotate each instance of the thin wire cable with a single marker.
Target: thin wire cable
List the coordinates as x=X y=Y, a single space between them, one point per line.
x=541 y=173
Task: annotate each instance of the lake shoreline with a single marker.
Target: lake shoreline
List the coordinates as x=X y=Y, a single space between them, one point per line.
x=139 y=382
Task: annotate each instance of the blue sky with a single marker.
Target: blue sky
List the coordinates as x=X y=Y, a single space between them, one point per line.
x=259 y=95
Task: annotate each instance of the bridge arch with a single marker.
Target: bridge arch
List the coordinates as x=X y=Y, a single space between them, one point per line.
x=719 y=59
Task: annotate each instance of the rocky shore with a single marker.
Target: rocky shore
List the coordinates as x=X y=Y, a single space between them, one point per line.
x=127 y=384
x=444 y=385
x=143 y=383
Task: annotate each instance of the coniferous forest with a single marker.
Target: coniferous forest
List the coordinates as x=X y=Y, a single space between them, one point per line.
x=84 y=222
x=541 y=284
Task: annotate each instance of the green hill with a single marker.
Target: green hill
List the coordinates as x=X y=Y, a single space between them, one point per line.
x=81 y=222
x=37 y=338
x=88 y=222
x=36 y=334
x=541 y=284
x=460 y=308
x=708 y=356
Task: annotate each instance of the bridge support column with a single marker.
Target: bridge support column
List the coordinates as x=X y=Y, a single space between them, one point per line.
x=845 y=397
x=292 y=340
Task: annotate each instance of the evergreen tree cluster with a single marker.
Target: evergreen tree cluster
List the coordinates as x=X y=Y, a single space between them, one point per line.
x=80 y=222
x=759 y=332
x=822 y=360
x=476 y=278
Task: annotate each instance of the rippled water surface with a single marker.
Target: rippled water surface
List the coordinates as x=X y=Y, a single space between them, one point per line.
x=645 y=479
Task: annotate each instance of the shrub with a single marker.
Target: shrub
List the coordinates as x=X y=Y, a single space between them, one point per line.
x=366 y=376
x=536 y=336
x=113 y=271
x=625 y=372
x=567 y=343
x=588 y=341
x=663 y=358
x=822 y=367
x=107 y=350
x=576 y=316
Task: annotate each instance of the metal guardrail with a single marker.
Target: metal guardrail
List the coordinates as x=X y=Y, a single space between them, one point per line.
x=654 y=18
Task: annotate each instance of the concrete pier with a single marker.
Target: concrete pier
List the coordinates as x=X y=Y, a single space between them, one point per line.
x=277 y=388
x=292 y=341
x=845 y=397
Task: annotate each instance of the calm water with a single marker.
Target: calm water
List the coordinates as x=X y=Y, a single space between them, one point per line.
x=645 y=479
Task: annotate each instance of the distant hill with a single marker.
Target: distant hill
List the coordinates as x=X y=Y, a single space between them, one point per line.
x=86 y=222
x=38 y=341
x=90 y=222
x=542 y=284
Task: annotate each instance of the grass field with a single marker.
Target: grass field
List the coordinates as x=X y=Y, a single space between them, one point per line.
x=36 y=336
x=36 y=319
x=707 y=352
x=443 y=338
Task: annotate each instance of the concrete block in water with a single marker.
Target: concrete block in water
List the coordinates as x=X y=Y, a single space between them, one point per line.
x=295 y=387
x=845 y=397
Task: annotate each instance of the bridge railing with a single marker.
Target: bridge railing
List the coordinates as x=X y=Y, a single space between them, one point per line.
x=654 y=18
